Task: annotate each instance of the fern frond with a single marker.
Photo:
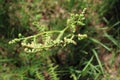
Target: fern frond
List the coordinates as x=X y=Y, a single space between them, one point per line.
x=52 y=72
x=39 y=76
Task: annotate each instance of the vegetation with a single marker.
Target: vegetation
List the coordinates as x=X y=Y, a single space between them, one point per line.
x=59 y=40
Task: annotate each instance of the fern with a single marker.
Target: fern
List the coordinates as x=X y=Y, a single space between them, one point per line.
x=52 y=72
x=39 y=76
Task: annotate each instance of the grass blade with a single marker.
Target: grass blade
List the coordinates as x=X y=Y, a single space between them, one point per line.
x=98 y=42
x=99 y=62
x=115 y=42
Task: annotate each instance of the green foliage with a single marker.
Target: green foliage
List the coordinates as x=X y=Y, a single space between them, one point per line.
x=51 y=39
x=31 y=42
x=39 y=76
x=46 y=40
x=52 y=72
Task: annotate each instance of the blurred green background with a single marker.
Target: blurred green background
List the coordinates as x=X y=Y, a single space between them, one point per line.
x=94 y=58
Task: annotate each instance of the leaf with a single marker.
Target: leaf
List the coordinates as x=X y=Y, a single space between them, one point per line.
x=115 y=42
x=98 y=42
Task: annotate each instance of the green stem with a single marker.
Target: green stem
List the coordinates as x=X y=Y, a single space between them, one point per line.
x=61 y=33
x=29 y=37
